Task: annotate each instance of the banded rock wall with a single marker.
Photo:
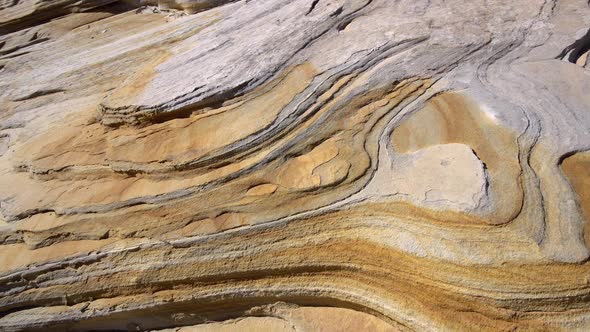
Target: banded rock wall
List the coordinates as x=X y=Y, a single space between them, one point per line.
x=295 y=165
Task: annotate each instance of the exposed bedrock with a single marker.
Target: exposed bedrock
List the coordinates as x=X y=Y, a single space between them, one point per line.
x=20 y=14
x=294 y=165
x=189 y=6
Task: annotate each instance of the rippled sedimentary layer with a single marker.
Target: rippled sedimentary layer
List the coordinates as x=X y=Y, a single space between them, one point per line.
x=296 y=166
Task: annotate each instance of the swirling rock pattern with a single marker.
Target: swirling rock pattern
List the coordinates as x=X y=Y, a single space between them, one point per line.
x=298 y=165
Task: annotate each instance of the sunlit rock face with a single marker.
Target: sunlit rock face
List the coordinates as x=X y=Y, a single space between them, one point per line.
x=305 y=165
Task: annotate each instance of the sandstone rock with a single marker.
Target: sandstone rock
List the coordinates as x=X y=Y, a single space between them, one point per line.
x=305 y=165
x=18 y=14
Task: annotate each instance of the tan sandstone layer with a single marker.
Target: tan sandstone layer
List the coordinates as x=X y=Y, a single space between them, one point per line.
x=294 y=165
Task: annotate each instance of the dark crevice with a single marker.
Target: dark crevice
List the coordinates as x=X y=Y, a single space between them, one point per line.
x=569 y=154
x=574 y=51
x=12 y=56
x=349 y=18
x=55 y=11
x=39 y=93
x=213 y=102
x=337 y=12
x=344 y=24
x=147 y=117
x=29 y=213
x=312 y=7
x=33 y=41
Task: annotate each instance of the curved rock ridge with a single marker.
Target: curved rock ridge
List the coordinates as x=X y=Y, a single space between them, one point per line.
x=19 y=14
x=188 y=6
x=306 y=165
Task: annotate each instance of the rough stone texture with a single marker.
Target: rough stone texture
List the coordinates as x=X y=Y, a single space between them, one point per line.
x=300 y=165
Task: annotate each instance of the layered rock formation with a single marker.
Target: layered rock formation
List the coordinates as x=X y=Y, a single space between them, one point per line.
x=295 y=165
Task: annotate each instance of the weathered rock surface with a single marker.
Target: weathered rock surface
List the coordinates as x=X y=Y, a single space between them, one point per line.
x=295 y=165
